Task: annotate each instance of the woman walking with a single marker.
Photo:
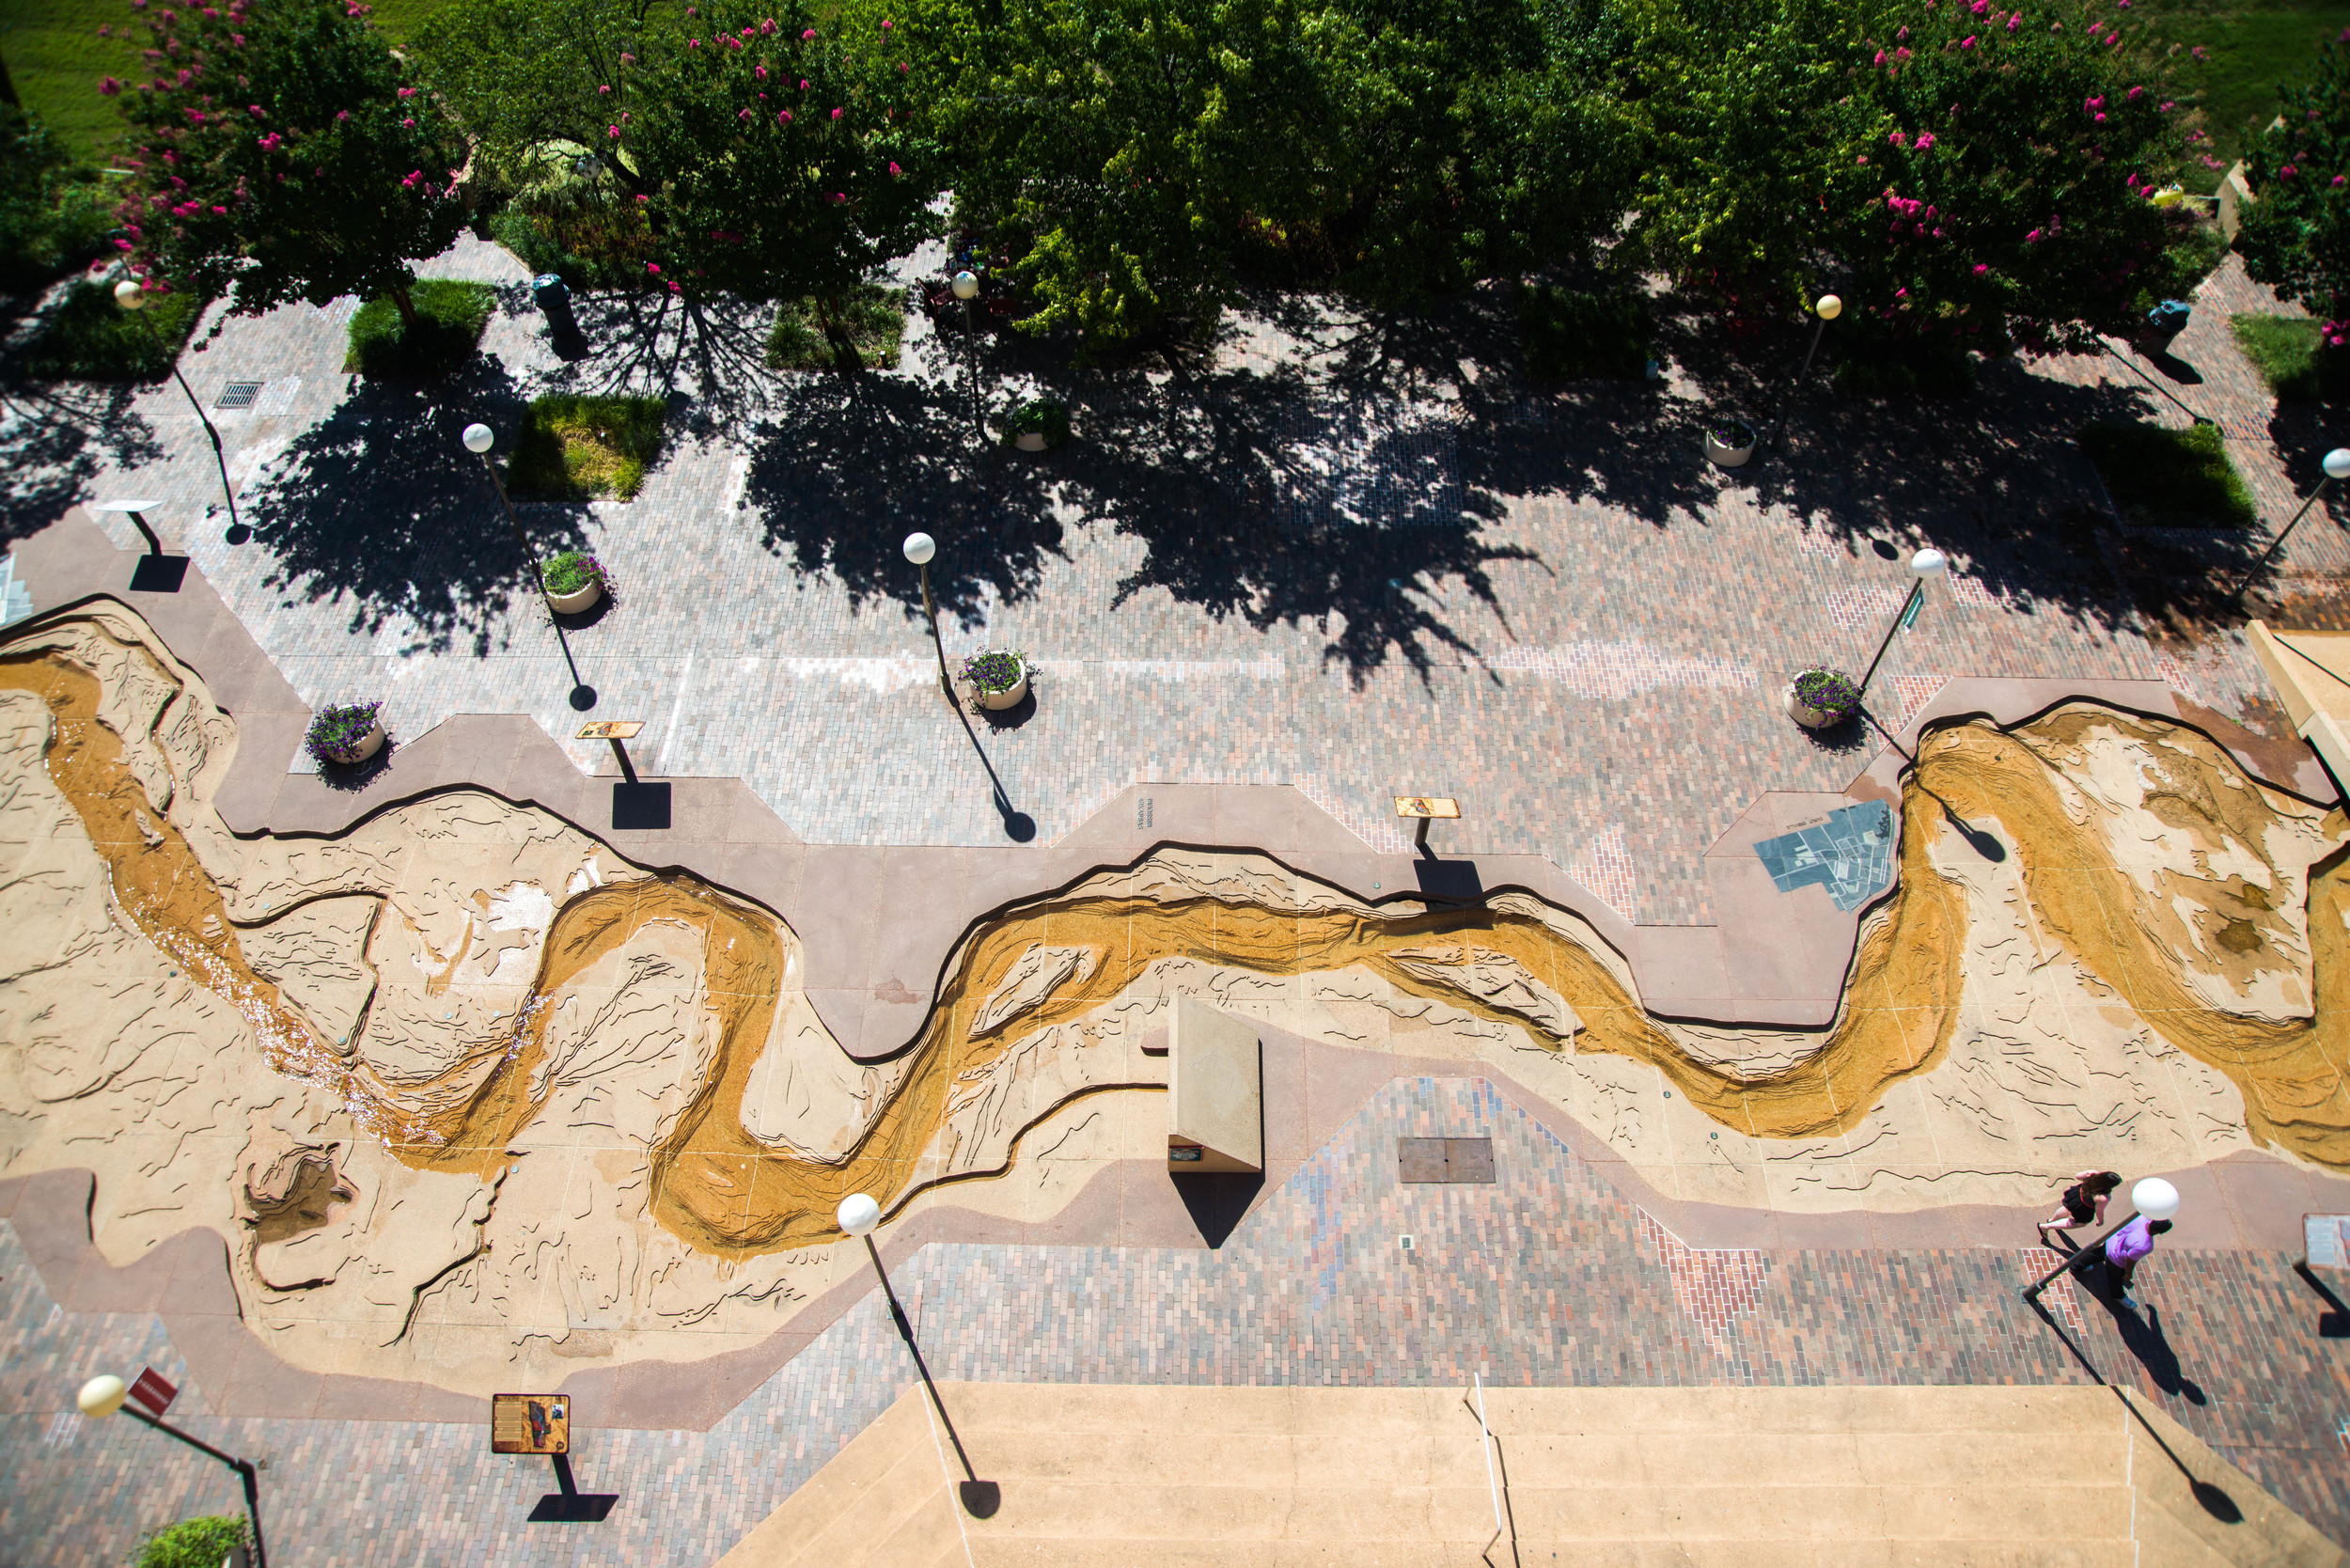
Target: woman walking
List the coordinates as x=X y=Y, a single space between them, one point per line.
x=2084 y=1202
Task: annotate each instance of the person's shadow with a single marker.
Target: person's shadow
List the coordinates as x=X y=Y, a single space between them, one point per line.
x=2144 y=1339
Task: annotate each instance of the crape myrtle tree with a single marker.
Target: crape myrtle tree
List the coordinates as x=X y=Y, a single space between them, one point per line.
x=1975 y=171
x=778 y=156
x=281 y=153
x=524 y=76
x=2296 y=237
x=1120 y=148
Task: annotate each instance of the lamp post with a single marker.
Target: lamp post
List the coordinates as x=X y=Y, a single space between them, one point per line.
x=102 y=1396
x=966 y=290
x=131 y=295
x=1827 y=307
x=858 y=1216
x=2337 y=466
x=478 y=439
x=2153 y=1198
x=1924 y=564
x=920 y=548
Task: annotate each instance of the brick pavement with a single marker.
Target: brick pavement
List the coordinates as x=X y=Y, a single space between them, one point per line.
x=1417 y=576
x=1548 y=1277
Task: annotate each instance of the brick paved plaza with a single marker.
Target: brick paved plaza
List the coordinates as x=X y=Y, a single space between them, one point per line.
x=1373 y=567
x=1357 y=559
x=1548 y=1276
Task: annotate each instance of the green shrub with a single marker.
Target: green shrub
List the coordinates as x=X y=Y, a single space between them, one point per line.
x=2169 y=479
x=580 y=448
x=1038 y=417
x=862 y=328
x=193 y=1543
x=449 y=317
x=2291 y=356
x=579 y=232
x=88 y=337
x=1577 y=336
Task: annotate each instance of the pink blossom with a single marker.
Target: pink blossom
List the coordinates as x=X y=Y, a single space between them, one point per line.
x=2286 y=171
x=123 y=244
x=628 y=59
x=693 y=43
x=407 y=125
x=1900 y=54
x=1902 y=36
x=407 y=92
x=1863 y=159
x=760 y=72
x=109 y=85
x=624 y=116
x=410 y=182
x=840 y=198
x=675 y=289
x=2342 y=179
x=804 y=84
x=741 y=114
x=767 y=27
x=653 y=267
x=1901 y=294
x=2032 y=238
x=894 y=169
x=643 y=200
x=2101 y=120
x=237 y=38
x=2014 y=22
x=902 y=68
x=343 y=114
x=1966 y=42
x=1925 y=140
x=783 y=117
x=105 y=32
x=605 y=88
x=1899 y=138
x=613 y=131
x=809 y=34
x=1880 y=56
x=2137 y=93
x=838 y=113
x=254 y=109
x=1981 y=266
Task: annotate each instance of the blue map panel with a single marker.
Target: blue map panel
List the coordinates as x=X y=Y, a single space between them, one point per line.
x=1850 y=854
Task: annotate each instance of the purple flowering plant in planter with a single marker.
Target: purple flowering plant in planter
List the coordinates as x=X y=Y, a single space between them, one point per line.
x=1732 y=433
x=338 y=731
x=996 y=670
x=1828 y=691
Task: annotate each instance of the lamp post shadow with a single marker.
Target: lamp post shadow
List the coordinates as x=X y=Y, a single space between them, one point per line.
x=1018 y=826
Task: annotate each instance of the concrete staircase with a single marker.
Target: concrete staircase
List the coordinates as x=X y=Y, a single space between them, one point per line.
x=1174 y=1477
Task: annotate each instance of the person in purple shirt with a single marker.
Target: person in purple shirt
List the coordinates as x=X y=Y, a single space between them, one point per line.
x=2123 y=1249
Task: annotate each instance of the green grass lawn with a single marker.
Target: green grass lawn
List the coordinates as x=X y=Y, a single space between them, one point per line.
x=54 y=57
x=2252 y=45
x=2286 y=352
x=2169 y=478
x=583 y=448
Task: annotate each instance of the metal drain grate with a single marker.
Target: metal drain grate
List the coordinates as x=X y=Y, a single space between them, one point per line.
x=239 y=394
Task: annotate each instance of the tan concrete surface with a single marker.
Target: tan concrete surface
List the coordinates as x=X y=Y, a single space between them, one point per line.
x=1171 y=1477
x=1215 y=1090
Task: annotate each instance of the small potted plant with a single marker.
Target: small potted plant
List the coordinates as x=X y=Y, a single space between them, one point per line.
x=1037 y=424
x=346 y=733
x=999 y=678
x=575 y=582
x=1728 y=442
x=1821 y=699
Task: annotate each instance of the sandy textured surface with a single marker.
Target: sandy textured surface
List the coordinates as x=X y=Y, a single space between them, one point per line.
x=474 y=1099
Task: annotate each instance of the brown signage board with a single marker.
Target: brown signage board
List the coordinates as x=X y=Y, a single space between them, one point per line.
x=611 y=730
x=530 y=1423
x=1426 y=806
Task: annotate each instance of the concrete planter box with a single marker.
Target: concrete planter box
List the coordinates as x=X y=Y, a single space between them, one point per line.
x=1806 y=714
x=574 y=602
x=369 y=743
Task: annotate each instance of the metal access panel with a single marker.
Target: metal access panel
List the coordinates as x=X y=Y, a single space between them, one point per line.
x=239 y=394
x=1426 y=1161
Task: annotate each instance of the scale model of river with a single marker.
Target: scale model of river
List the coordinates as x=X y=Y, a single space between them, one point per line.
x=722 y=1191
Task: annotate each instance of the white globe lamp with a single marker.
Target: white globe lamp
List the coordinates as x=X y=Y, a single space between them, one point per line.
x=1929 y=563
x=966 y=286
x=1829 y=307
x=479 y=439
x=2154 y=1198
x=858 y=1214
x=920 y=548
x=131 y=294
x=101 y=1396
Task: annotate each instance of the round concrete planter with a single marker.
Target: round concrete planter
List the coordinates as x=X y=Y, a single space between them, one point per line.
x=582 y=599
x=1009 y=698
x=1725 y=454
x=1029 y=441
x=369 y=743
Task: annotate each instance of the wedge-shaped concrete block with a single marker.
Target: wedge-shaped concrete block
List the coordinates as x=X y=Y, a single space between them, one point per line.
x=1215 y=1092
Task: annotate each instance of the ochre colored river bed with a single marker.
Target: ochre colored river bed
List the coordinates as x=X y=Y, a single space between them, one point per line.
x=723 y=1192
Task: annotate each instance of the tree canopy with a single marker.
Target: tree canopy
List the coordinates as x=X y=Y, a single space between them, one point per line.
x=282 y=154
x=2296 y=237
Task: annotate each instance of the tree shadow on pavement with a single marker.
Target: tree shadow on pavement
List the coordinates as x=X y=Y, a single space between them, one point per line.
x=53 y=438
x=380 y=505
x=854 y=463
x=708 y=356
